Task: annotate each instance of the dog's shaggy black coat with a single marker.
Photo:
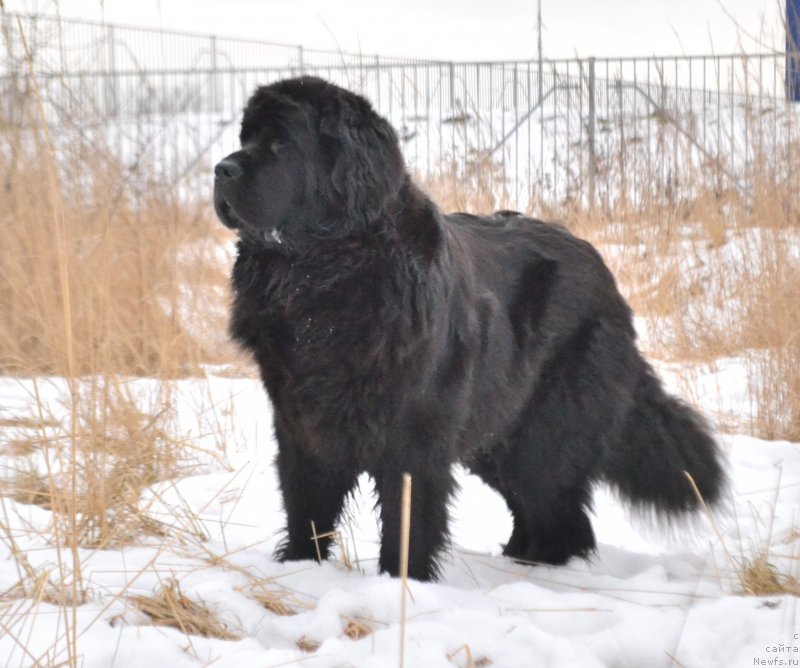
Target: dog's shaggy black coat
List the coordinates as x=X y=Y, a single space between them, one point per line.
x=392 y=338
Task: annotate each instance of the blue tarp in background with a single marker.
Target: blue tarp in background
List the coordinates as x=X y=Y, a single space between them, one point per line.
x=793 y=50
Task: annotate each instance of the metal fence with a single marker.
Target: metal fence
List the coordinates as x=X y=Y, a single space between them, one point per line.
x=582 y=132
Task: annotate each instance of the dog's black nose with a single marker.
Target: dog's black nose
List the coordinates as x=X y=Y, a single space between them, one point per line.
x=228 y=169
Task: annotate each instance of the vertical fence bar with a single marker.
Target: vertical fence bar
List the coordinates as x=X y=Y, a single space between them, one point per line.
x=530 y=176
x=607 y=121
x=774 y=103
x=662 y=138
x=718 y=66
x=378 y=81
x=476 y=101
x=582 y=198
x=623 y=179
x=636 y=179
x=649 y=145
x=705 y=104
x=676 y=175
x=541 y=143
x=415 y=117
x=568 y=142
x=214 y=87
x=515 y=107
x=452 y=79
x=732 y=158
x=427 y=102
x=590 y=130
x=692 y=121
x=111 y=74
x=554 y=175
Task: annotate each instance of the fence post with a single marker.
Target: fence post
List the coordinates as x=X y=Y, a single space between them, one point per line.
x=215 y=105
x=590 y=132
x=452 y=86
x=301 y=60
x=111 y=76
x=378 y=81
x=623 y=172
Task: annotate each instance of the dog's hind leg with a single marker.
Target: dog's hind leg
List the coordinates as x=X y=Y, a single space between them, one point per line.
x=484 y=466
x=548 y=462
x=548 y=503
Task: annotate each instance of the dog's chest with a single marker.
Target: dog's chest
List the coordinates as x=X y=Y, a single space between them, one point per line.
x=336 y=383
x=335 y=353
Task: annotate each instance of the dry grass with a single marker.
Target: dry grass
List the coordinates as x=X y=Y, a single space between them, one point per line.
x=139 y=274
x=759 y=577
x=469 y=661
x=468 y=184
x=106 y=265
x=169 y=606
x=275 y=598
x=356 y=629
x=307 y=645
x=756 y=575
x=36 y=584
x=276 y=601
x=726 y=287
x=120 y=450
x=344 y=558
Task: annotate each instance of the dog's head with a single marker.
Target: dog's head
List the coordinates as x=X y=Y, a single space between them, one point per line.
x=315 y=161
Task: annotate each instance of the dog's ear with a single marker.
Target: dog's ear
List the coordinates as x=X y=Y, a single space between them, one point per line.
x=363 y=158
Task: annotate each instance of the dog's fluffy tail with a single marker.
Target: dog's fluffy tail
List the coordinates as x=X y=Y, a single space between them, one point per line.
x=658 y=442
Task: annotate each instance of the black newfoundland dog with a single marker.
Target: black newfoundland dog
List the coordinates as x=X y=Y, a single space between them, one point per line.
x=392 y=338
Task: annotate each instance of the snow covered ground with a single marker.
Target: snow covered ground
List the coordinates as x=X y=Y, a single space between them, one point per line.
x=648 y=598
